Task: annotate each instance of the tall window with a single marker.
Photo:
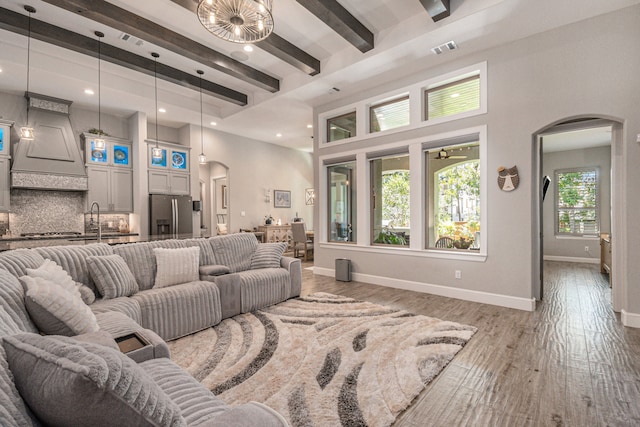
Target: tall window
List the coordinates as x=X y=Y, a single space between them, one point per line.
x=577 y=201
x=452 y=98
x=390 y=200
x=341 y=127
x=454 y=202
x=342 y=202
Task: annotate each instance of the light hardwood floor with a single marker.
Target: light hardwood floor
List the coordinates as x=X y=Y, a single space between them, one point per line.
x=569 y=363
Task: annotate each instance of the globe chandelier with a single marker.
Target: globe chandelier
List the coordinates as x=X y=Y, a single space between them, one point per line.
x=237 y=21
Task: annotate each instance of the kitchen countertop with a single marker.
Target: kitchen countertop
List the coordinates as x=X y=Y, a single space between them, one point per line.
x=111 y=239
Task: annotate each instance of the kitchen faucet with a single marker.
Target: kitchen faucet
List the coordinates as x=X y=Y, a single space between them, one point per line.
x=91 y=219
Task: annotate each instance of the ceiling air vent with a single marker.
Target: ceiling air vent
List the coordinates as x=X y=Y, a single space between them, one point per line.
x=130 y=39
x=444 y=48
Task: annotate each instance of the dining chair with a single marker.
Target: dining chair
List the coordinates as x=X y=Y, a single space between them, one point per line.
x=299 y=239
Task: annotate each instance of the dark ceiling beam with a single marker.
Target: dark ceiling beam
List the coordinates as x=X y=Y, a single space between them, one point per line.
x=437 y=9
x=341 y=21
x=275 y=45
x=18 y=23
x=130 y=23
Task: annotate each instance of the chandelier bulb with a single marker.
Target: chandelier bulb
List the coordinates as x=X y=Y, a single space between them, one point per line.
x=237 y=30
x=212 y=18
x=260 y=25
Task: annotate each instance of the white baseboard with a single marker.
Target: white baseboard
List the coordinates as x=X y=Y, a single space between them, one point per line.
x=631 y=320
x=572 y=259
x=445 y=291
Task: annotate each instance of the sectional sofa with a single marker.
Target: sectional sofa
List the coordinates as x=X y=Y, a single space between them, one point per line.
x=63 y=310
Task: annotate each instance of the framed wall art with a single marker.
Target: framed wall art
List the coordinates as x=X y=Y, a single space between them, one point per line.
x=281 y=199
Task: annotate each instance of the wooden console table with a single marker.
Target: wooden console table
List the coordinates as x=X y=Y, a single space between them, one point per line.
x=277 y=233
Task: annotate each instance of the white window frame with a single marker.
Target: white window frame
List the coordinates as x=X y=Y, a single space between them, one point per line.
x=416 y=107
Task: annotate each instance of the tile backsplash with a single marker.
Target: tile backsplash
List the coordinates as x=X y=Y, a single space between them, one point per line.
x=41 y=211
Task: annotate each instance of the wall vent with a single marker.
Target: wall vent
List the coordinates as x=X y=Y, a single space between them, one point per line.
x=131 y=39
x=444 y=47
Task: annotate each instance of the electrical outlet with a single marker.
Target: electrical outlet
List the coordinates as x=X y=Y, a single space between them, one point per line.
x=586 y=248
x=458 y=274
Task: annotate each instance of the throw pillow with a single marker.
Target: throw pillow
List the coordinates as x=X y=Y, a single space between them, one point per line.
x=176 y=266
x=112 y=276
x=67 y=382
x=51 y=271
x=268 y=255
x=55 y=311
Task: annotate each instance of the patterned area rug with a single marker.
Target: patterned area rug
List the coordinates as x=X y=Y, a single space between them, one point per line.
x=323 y=360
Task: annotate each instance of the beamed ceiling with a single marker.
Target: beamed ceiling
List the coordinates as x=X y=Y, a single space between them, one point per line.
x=317 y=45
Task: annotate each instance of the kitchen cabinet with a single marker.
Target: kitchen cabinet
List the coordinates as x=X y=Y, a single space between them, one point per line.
x=110 y=174
x=169 y=174
x=5 y=164
x=111 y=187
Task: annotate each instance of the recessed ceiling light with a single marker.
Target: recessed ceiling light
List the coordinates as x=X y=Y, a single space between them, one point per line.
x=0 y=70
x=213 y=124
x=455 y=95
x=88 y=91
x=162 y=110
x=309 y=126
x=278 y=135
x=248 y=48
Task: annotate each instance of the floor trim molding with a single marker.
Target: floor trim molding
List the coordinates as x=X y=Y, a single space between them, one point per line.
x=632 y=320
x=572 y=259
x=445 y=291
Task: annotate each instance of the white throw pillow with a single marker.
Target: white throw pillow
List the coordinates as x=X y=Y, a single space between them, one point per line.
x=49 y=270
x=176 y=266
x=55 y=311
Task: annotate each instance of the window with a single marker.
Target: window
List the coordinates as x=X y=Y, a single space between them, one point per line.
x=342 y=202
x=453 y=174
x=390 y=200
x=577 y=201
x=341 y=127
x=452 y=98
x=389 y=114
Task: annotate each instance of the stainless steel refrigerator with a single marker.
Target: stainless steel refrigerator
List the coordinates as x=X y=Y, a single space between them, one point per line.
x=170 y=216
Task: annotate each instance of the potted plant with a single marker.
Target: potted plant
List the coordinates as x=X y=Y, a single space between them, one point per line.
x=268 y=219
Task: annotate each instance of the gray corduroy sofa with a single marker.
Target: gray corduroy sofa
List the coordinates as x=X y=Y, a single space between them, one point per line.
x=235 y=276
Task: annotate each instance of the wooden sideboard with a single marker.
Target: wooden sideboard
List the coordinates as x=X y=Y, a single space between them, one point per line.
x=276 y=233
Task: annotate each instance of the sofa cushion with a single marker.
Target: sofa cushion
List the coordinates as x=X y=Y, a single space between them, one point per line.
x=125 y=305
x=13 y=411
x=73 y=259
x=55 y=310
x=112 y=276
x=234 y=250
x=207 y=257
x=268 y=255
x=179 y=310
x=196 y=402
x=17 y=261
x=176 y=266
x=141 y=261
x=51 y=271
x=264 y=287
x=12 y=300
x=61 y=379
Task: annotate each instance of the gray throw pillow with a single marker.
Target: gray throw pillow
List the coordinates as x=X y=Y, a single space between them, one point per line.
x=112 y=276
x=268 y=255
x=176 y=266
x=71 y=383
x=56 y=311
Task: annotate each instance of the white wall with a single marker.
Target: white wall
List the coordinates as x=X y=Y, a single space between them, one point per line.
x=573 y=247
x=587 y=68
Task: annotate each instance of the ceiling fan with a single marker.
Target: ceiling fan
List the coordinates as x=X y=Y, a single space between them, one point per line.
x=442 y=154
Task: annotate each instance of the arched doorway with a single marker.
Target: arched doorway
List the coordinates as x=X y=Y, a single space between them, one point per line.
x=587 y=124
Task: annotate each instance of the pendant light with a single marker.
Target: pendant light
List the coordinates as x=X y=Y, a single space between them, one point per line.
x=156 y=152
x=99 y=143
x=26 y=132
x=201 y=158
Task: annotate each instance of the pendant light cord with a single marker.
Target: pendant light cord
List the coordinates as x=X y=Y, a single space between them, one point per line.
x=28 y=62
x=99 y=85
x=155 y=80
x=201 y=126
